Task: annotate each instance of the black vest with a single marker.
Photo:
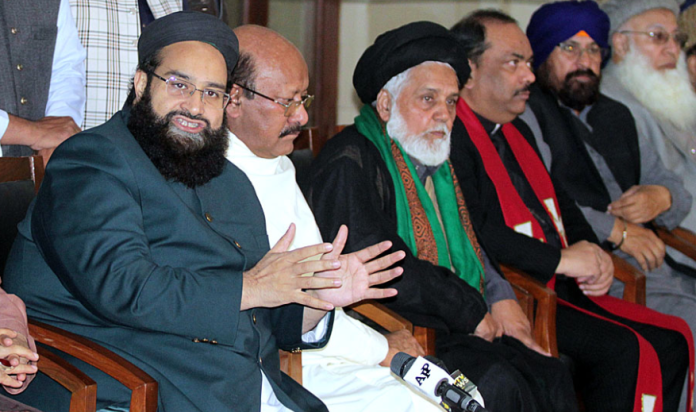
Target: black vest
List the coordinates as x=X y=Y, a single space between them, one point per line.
x=613 y=136
x=28 y=33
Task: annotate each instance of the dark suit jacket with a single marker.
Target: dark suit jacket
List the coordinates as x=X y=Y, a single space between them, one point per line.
x=153 y=271
x=505 y=244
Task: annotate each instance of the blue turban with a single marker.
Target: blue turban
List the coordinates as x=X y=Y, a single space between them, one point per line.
x=555 y=23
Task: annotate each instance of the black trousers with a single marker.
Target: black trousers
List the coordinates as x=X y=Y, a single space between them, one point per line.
x=509 y=376
x=606 y=355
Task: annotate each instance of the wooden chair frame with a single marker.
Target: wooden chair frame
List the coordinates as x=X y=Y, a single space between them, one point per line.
x=82 y=387
x=681 y=239
x=22 y=168
x=143 y=387
x=542 y=316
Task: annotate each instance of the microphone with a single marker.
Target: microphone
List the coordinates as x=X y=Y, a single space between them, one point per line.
x=430 y=378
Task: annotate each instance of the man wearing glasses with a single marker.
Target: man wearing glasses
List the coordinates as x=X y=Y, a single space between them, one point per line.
x=145 y=239
x=604 y=163
x=648 y=73
x=351 y=373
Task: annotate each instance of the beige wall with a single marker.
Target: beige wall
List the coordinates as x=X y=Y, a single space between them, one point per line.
x=363 y=20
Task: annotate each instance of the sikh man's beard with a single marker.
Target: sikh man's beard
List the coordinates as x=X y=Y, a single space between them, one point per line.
x=572 y=93
x=668 y=94
x=577 y=94
x=428 y=151
x=189 y=158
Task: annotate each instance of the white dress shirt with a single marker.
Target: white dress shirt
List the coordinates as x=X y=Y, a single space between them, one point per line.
x=274 y=179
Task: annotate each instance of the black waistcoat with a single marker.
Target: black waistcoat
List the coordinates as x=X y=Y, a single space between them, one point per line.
x=613 y=136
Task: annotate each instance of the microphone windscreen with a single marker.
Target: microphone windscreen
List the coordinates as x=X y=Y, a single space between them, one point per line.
x=401 y=363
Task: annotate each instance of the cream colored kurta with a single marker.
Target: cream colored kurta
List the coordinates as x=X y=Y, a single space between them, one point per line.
x=345 y=374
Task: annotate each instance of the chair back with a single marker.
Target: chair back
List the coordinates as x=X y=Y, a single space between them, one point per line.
x=20 y=178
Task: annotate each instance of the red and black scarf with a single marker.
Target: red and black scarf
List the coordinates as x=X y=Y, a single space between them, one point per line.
x=518 y=217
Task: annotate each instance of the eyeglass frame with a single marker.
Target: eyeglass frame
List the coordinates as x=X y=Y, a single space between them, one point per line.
x=603 y=51
x=306 y=101
x=653 y=33
x=226 y=96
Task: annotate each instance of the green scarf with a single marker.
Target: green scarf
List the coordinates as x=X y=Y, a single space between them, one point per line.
x=464 y=259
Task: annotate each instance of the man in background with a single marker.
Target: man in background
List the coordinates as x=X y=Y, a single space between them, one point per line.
x=42 y=92
x=597 y=154
x=648 y=74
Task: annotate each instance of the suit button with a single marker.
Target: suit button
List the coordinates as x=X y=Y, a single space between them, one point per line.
x=23 y=100
x=260 y=361
x=20 y=67
x=204 y=340
x=14 y=30
x=253 y=318
x=196 y=340
x=208 y=217
x=296 y=350
x=237 y=244
x=213 y=342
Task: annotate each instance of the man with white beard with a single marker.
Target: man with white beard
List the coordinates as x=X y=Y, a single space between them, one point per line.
x=388 y=177
x=648 y=74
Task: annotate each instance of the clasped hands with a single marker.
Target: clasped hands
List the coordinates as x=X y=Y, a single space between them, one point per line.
x=591 y=267
x=15 y=349
x=339 y=280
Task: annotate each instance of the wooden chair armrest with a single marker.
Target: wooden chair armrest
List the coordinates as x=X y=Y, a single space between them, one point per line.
x=680 y=239
x=632 y=278
x=545 y=313
x=526 y=301
x=382 y=315
x=82 y=387
x=142 y=385
x=291 y=364
x=392 y=321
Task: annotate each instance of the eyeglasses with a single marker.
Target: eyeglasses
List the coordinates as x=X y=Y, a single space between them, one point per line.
x=291 y=107
x=181 y=88
x=573 y=50
x=661 y=37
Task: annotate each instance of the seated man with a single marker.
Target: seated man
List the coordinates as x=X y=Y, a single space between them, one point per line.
x=144 y=239
x=648 y=74
x=388 y=176
x=616 y=177
x=531 y=224
x=346 y=373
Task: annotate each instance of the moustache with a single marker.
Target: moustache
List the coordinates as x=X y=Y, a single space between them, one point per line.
x=439 y=128
x=525 y=89
x=294 y=129
x=582 y=72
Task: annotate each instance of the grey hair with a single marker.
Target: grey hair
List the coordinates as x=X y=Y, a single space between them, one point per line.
x=396 y=84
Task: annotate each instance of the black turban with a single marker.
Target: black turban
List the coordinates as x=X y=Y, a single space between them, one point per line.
x=400 y=49
x=189 y=26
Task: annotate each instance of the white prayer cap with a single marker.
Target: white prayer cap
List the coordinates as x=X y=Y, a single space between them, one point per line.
x=619 y=11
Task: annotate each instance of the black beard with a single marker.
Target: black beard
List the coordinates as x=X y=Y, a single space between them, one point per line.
x=192 y=160
x=574 y=94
